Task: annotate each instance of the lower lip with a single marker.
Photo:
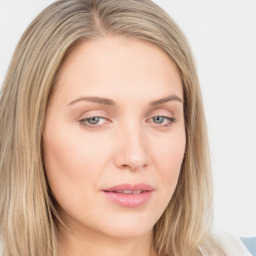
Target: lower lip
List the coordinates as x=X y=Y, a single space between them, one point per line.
x=129 y=200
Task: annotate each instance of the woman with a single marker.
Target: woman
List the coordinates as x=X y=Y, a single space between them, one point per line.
x=103 y=140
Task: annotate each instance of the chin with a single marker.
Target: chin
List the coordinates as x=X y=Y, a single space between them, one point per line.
x=128 y=226
x=128 y=232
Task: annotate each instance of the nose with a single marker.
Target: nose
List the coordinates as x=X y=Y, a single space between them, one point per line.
x=132 y=150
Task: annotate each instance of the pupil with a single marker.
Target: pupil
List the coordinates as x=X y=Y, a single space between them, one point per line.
x=158 y=119
x=93 y=120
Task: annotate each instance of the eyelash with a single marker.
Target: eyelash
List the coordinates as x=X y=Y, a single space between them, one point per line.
x=84 y=122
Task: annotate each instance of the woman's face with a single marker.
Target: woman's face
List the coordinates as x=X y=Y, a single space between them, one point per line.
x=114 y=137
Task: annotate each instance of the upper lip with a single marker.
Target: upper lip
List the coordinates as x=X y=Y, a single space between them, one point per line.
x=130 y=187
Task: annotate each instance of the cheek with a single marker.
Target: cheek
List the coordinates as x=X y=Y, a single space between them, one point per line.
x=69 y=165
x=168 y=157
x=169 y=152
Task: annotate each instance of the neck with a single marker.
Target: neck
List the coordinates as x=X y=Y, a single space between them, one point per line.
x=91 y=243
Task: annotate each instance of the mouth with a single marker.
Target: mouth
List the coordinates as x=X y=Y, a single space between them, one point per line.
x=128 y=195
x=130 y=188
x=128 y=191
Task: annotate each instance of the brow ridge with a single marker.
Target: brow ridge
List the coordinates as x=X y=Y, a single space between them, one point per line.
x=109 y=102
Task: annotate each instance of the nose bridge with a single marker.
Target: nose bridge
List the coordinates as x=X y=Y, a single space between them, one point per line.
x=132 y=148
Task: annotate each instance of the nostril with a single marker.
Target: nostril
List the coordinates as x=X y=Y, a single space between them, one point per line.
x=133 y=167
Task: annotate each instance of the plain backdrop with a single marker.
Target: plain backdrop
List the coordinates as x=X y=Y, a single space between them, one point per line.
x=222 y=34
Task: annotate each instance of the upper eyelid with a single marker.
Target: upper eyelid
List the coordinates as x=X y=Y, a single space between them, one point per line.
x=86 y=118
x=155 y=110
x=92 y=113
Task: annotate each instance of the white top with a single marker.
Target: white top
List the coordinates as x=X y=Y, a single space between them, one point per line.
x=231 y=245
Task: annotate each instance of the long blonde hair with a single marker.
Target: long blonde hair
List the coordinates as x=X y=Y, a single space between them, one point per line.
x=27 y=213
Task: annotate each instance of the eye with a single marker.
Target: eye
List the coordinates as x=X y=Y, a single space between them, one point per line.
x=163 y=120
x=158 y=119
x=94 y=121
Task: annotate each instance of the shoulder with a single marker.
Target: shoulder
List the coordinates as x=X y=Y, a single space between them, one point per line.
x=232 y=245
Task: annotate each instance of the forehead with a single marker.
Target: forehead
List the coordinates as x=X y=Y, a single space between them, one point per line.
x=112 y=67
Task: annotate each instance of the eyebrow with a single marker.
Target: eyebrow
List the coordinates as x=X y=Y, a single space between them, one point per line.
x=167 y=99
x=98 y=100
x=109 y=102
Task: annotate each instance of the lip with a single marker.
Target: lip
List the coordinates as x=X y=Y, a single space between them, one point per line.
x=129 y=195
